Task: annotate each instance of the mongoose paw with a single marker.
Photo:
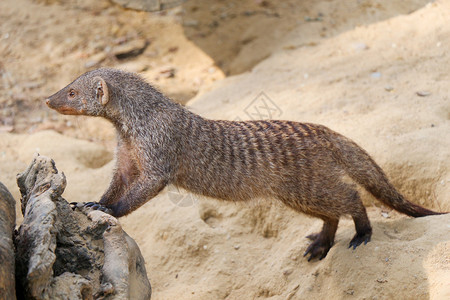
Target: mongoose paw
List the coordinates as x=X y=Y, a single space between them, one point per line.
x=359 y=239
x=318 y=247
x=97 y=206
x=91 y=205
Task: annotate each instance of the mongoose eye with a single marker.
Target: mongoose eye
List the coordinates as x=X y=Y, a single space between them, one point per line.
x=72 y=93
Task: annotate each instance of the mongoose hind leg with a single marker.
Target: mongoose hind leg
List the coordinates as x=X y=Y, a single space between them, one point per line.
x=362 y=223
x=323 y=240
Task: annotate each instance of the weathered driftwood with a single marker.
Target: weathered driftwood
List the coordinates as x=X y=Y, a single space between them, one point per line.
x=7 y=224
x=66 y=254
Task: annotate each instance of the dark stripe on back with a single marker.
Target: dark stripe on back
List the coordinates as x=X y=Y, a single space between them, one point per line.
x=306 y=129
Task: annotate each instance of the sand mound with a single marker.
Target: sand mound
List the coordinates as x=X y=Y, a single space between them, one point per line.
x=212 y=249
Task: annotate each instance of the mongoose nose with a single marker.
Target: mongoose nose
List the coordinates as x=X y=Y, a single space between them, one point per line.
x=47 y=101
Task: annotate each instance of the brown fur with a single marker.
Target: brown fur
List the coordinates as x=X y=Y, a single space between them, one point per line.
x=160 y=143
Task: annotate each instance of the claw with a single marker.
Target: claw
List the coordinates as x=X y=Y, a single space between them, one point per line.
x=359 y=239
x=318 y=248
x=98 y=206
x=90 y=205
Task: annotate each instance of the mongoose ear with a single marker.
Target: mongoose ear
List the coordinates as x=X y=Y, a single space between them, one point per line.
x=101 y=90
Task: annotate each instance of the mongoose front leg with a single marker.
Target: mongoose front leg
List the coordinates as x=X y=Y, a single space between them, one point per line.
x=124 y=176
x=143 y=189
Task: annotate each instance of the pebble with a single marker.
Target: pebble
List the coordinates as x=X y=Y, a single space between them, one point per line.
x=359 y=46
x=350 y=291
x=312 y=19
x=249 y=13
x=190 y=23
x=287 y=272
x=129 y=49
x=167 y=72
x=375 y=75
x=423 y=93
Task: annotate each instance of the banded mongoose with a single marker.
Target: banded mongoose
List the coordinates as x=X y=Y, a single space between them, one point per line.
x=161 y=142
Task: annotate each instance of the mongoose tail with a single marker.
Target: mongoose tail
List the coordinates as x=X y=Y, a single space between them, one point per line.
x=363 y=169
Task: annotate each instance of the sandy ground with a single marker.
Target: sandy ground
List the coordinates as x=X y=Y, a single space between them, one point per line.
x=376 y=72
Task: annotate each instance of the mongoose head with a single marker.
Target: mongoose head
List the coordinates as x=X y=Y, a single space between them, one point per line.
x=113 y=94
x=86 y=95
